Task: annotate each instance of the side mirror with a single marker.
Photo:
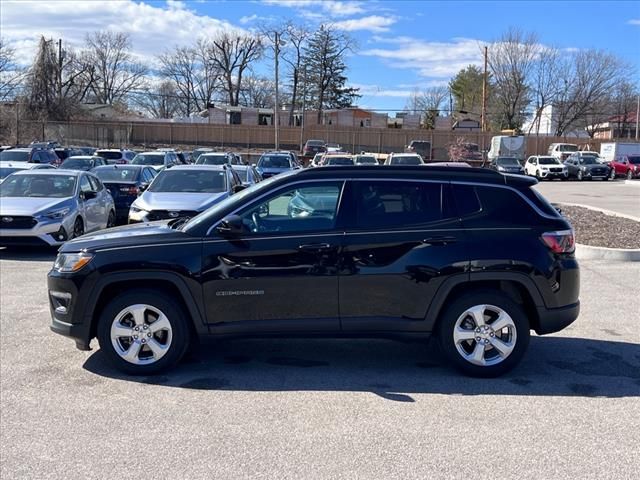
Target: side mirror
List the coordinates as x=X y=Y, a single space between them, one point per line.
x=143 y=187
x=238 y=188
x=90 y=195
x=231 y=226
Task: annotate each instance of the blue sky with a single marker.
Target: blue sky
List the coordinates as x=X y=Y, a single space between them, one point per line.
x=399 y=45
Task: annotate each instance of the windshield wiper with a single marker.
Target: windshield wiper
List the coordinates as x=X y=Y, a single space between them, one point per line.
x=178 y=223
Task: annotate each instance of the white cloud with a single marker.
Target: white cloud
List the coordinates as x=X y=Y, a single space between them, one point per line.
x=152 y=28
x=429 y=59
x=380 y=91
x=333 y=8
x=248 y=19
x=372 y=23
x=634 y=21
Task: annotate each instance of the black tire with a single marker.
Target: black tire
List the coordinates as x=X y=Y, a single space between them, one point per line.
x=579 y=176
x=538 y=175
x=78 y=228
x=612 y=175
x=179 y=330
x=111 y=220
x=448 y=321
x=629 y=175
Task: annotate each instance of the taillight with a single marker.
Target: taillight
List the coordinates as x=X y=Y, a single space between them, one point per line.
x=562 y=241
x=130 y=190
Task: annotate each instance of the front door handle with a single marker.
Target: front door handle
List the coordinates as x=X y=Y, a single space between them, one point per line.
x=315 y=247
x=436 y=241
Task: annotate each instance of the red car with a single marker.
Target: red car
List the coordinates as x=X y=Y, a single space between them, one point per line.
x=626 y=166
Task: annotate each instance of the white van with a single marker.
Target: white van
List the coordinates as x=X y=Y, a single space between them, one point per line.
x=562 y=150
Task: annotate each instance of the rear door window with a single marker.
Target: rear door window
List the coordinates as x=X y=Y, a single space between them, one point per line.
x=396 y=205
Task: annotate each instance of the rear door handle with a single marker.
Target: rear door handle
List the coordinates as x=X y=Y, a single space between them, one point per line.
x=436 y=241
x=315 y=247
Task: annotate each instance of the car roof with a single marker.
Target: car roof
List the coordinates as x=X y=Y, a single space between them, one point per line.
x=118 y=167
x=52 y=171
x=23 y=149
x=110 y=150
x=213 y=154
x=82 y=157
x=411 y=172
x=220 y=168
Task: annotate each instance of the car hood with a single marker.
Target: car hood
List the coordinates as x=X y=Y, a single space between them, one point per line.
x=178 y=201
x=138 y=234
x=29 y=206
x=599 y=166
x=273 y=170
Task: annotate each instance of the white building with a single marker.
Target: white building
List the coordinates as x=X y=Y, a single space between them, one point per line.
x=547 y=125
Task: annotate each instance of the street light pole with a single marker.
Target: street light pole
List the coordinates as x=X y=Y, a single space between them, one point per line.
x=275 y=107
x=637 y=116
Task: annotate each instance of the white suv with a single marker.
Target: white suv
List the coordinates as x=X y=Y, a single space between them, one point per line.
x=404 y=159
x=115 y=155
x=541 y=167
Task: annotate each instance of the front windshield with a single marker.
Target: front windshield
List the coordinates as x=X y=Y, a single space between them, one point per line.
x=548 y=161
x=189 y=181
x=149 y=159
x=635 y=160
x=568 y=148
x=77 y=163
x=109 y=155
x=406 y=160
x=53 y=186
x=340 y=161
x=14 y=156
x=207 y=159
x=589 y=161
x=508 y=161
x=118 y=174
x=367 y=160
x=274 y=161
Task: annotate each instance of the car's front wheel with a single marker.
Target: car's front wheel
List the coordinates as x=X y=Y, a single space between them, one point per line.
x=580 y=175
x=629 y=175
x=142 y=332
x=484 y=334
x=612 y=175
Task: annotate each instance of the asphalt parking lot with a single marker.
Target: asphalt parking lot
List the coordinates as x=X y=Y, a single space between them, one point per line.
x=617 y=196
x=321 y=408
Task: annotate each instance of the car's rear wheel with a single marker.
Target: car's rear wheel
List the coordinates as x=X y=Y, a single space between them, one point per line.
x=484 y=334
x=142 y=333
x=78 y=228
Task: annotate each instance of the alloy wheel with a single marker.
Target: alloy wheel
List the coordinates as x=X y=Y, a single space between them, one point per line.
x=484 y=335
x=141 y=334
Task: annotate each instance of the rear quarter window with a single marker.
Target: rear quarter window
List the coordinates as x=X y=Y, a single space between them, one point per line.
x=495 y=205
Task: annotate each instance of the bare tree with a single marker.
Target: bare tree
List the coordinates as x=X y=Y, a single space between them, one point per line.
x=195 y=76
x=11 y=76
x=296 y=37
x=593 y=75
x=257 y=92
x=232 y=54
x=428 y=103
x=511 y=60
x=115 y=70
x=158 y=101
x=545 y=84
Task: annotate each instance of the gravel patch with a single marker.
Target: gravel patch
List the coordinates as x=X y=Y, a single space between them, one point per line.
x=601 y=230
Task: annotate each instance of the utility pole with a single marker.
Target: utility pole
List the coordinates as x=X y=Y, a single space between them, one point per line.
x=304 y=99
x=483 y=117
x=275 y=107
x=637 y=116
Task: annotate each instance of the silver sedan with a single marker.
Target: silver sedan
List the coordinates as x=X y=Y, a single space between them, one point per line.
x=48 y=207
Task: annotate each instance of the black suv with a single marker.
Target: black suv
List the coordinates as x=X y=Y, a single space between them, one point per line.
x=471 y=256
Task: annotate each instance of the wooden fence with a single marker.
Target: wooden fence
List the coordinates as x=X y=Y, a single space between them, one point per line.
x=119 y=134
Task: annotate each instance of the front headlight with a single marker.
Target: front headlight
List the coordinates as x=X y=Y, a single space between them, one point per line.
x=71 y=262
x=501 y=169
x=136 y=213
x=55 y=214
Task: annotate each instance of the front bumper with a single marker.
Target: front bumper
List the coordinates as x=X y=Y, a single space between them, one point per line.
x=548 y=174
x=68 y=305
x=555 y=319
x=52 y=233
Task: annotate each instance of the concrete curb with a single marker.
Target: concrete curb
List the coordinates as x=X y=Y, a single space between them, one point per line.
x=632 y=182
x=587 y=252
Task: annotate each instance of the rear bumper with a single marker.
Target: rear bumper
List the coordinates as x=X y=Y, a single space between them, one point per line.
x=555 y=319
